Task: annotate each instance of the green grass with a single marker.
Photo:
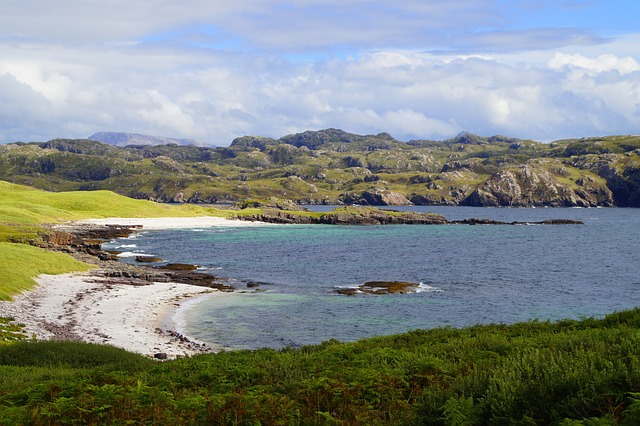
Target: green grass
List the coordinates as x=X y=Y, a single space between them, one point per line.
x=19 y=263
x=10 y=331
x=23 y=205
x=536 y=373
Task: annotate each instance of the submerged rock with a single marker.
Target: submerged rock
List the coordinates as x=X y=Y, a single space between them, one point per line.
x=179 y=267
x=380 y=287
x=148 y=259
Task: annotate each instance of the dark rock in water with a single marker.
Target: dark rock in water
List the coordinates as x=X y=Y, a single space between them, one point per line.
x=381 y=287
x=475 y=221
x=562 y=222
x=106 y=256
x=148 y=259
x=179 y=267
x=160 y=355
x=252 y=284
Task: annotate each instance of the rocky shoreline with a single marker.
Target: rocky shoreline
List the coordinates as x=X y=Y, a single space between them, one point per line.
x=84 y=242
x=359 y=215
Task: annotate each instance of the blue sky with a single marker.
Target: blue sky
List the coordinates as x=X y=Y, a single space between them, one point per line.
x=418 y=69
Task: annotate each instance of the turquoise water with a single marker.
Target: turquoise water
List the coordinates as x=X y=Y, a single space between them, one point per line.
x=469 y=274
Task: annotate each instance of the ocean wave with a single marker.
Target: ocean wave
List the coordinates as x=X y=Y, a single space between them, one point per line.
x=133 y=254
x=426 y=288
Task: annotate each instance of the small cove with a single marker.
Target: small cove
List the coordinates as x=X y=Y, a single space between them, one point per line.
x=471 y=274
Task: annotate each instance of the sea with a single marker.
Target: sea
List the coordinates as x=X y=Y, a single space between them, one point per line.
x=467 y=274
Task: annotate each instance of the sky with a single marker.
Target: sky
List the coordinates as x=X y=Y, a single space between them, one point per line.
x=417 y=69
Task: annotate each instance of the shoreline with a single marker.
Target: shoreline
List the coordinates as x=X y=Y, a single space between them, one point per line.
x=158 y=223
x=136 y=316
x=88 y=308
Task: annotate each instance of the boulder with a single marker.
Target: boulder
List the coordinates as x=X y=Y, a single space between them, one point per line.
x=148 y=259
x=377 y=197
x=179 y=267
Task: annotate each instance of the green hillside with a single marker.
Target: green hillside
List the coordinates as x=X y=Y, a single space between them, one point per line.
x=332 y=166
x=24 y=205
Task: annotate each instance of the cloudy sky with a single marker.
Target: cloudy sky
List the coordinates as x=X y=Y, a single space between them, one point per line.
x=418 y=69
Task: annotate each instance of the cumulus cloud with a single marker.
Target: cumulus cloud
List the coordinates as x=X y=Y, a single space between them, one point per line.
x=595 y=65
x=217 y=70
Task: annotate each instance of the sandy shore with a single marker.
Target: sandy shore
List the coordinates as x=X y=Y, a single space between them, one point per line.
x=89 y=308
x=173 y=222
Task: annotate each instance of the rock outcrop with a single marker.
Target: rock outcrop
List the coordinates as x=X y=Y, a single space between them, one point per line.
x=525 y=186
x=85 y=243
x=376 y=197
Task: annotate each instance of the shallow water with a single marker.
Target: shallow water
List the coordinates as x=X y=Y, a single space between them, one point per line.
x=470 y=274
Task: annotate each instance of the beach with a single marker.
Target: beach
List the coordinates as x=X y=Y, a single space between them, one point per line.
x=124 y=313
x=172 y=222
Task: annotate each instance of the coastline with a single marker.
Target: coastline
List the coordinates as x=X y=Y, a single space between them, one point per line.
x=158 y=223
x=136 y=316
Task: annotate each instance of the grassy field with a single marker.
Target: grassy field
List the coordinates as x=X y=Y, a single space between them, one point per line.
x=23 y=205
x=20 y=263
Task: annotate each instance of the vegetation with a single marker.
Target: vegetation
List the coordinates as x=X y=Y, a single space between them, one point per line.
x=332 y=166
x=27 y=206
x=571 y=373
x=20 y=263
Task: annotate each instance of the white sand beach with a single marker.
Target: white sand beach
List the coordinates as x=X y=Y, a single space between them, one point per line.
x=94 y=309
x=172 y=222
x=87 y=308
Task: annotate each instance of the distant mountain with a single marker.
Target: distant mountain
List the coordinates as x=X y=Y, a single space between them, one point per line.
x=122 y=139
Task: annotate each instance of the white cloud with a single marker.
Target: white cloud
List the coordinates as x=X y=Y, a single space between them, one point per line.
x=72 y=68
x=599 y=64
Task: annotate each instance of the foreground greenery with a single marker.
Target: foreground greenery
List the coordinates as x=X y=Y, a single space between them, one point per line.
x=332 y=166
x=571 y=373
